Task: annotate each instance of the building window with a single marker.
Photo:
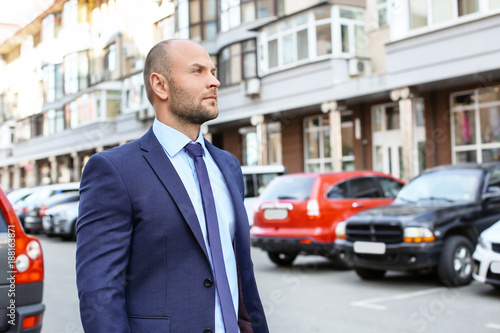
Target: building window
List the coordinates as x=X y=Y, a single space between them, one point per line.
x=382 y=13
x=347 y=130
x=250 y=144
x=230 y=14
x=318 y=152
x=432 y=12
x=237 y=62
x=475 y=125
x=76 y=72
x=111 y=58
x=317 y=144
x=235 y=12
x=196 y=19
x=166 y=28
x=310 y=36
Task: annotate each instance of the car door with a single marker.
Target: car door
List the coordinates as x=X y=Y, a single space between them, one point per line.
x=354 y=195
x=490 y=204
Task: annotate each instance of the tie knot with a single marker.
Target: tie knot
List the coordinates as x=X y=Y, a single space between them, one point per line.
x=194 y=150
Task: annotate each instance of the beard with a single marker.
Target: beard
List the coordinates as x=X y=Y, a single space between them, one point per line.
x=188 y=109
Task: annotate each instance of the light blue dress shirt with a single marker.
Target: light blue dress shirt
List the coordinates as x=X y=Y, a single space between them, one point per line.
x=173 y=143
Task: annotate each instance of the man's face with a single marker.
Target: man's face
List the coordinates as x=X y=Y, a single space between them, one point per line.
x=193 y=85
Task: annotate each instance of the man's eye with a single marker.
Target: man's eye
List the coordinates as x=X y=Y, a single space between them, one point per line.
x=197 y=71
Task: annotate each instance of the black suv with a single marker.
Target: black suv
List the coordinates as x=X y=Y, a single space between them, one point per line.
x=434 y=223
x=21 y=275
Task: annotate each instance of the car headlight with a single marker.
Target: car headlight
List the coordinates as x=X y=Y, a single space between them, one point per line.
x=484 y=244
x=340 y=230
x=418 y=235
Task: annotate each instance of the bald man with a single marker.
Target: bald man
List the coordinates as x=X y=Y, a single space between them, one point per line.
x=145 y=261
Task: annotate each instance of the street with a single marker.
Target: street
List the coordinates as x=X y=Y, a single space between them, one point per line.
x=312 y=296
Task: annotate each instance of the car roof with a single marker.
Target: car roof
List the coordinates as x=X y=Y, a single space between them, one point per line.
x=481 y=166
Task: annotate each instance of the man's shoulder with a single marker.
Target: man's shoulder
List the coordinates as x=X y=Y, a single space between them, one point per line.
x=124 y=150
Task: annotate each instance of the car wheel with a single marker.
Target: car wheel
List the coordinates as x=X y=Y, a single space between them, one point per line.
x=370 y=274
x=282 y=258
x=456 y=263
x=496 y=286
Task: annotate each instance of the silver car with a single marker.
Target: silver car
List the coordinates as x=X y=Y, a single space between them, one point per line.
x=61 y=220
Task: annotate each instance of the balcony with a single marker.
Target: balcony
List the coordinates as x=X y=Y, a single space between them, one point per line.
x=457 y=50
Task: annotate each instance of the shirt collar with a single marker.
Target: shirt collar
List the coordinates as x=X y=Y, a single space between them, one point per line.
x=171 y=139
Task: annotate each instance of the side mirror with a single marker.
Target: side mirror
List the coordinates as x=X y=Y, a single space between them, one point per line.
x=492 y=192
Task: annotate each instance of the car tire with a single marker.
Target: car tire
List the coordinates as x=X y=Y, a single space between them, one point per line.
x=456 y=264
x=282 y=258
x=370 y=274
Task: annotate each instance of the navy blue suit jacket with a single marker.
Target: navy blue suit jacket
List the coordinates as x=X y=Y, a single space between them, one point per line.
x=141 y=261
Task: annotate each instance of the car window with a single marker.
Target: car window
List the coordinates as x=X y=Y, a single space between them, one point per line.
x=263 y=179
x=447 y=185
x=3 y=222
x=390 y=187
x=249 y=188
x=293 y=188
x=365 y=187
x=494 y=178
x=338 y=191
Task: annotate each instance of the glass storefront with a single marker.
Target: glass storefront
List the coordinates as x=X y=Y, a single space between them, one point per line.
x=476 y=125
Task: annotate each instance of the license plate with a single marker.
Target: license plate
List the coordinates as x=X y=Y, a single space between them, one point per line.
x=275 y=214
x=495 y=267
x=369 y=247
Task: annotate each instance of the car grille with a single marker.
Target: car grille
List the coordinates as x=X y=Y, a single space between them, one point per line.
x=373 y=232
x=496 y=247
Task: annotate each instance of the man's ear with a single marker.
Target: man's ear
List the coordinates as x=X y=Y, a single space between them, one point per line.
x=159 y=85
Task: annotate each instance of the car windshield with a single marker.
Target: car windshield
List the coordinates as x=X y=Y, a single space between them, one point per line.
x=288 y=188
x=444 y=186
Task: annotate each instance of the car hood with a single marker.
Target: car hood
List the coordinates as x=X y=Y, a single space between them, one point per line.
x=492 y=234
x=406 y=214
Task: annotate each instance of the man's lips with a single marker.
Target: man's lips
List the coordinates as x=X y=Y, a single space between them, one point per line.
x=211 y=98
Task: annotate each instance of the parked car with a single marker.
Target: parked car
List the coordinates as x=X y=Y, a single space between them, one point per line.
x=433 y=224
x=487 y=257
x=21 y=303
x=41 y=193
x=298 y=213
x=61 y=220
x=256 y=178
x=36 y=212
x=20 y=194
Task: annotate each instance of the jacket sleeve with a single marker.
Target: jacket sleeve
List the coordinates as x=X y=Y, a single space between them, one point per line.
x=104 y=231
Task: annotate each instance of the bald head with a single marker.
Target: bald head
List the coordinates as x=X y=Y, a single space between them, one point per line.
x=160 y=60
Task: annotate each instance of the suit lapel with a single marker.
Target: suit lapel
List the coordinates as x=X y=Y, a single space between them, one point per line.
x=161 y=165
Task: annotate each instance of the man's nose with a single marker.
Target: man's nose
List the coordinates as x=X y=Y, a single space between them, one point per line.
x=214 y=82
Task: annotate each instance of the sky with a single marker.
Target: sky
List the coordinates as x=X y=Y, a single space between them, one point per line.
x=21 y=11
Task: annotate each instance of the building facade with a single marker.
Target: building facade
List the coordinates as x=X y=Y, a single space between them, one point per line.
x=394 y=86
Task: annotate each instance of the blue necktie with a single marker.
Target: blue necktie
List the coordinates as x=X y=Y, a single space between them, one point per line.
x=195 y=150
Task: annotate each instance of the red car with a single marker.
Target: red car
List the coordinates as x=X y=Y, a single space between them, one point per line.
x=21 y=275
x=297 y=213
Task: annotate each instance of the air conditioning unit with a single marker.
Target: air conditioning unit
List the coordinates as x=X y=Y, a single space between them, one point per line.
x=252 y=87
x=359 y=67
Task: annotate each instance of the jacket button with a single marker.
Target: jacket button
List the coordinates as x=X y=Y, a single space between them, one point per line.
x=208 y=283
x=208 y=330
